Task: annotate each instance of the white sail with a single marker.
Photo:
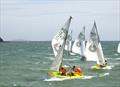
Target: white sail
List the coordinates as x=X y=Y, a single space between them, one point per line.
x=68 y=44
x=118 y=49
x=79 y=44
x=94 y=50
x=58 y=44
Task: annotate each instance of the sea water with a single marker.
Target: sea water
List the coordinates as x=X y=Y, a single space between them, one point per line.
x=25 y=64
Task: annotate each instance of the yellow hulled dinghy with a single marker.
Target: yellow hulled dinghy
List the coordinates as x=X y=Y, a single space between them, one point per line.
x=58 y=45
x=94 y=51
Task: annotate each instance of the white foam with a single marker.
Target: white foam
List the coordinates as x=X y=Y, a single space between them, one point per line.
x=114 y=64
x=117 y=58
x=116 y=54
x=107 y=68
x=105 y=74
x=72 y=59
x=37 y=63
x=55 y=79
x=50 y=58
x=88 y=77
x=113 y=58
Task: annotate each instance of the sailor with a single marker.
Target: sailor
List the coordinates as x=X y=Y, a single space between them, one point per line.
x=102 y=65
x=74 y=70
x=62 y=70
x=78 y=70
x=105 y=62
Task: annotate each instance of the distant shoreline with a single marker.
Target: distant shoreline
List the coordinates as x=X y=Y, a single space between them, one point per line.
x=50 y=41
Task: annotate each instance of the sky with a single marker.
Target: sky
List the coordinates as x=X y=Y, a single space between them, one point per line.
x=39 y=20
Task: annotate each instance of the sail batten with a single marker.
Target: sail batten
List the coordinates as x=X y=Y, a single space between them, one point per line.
x=58 y=44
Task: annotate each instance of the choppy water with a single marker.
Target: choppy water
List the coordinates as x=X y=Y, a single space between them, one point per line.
x=25 y=64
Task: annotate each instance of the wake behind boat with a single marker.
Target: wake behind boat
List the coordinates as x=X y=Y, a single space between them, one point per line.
x=58 y=45
x=94 y=50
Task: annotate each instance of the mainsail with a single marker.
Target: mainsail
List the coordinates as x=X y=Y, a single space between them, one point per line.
x=79 y=44
x=94 y=50
x=68 y=44
x=118 y=49
x=58 y=44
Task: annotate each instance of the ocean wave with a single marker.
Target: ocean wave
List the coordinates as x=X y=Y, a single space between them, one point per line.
x=116 y=54
x=117 y=58
x=38 y=69
x=113 y=58
x=37 y=63
x=71 y=59
x=51 y=54
x=88 y=77
x=50 y=58
x=105 y=74
x=114 y=64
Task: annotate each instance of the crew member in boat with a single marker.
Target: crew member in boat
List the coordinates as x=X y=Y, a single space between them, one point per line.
x=70 y=72
x=105 y=61
x=78 y=70
x=104 y=65
x=62 y=70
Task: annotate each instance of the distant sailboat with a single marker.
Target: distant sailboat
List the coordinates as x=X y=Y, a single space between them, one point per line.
x=118 y=49
x=58 y=45
x=94 y=50
x=1 y=40
x=79 y=44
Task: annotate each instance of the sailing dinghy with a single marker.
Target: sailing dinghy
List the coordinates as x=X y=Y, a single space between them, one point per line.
x=94 y=50
x=58 y=45
x=118 y=49
x=79 y=44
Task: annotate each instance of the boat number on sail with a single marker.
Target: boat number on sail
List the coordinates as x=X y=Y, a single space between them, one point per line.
x=61 y=35
x=92 y=48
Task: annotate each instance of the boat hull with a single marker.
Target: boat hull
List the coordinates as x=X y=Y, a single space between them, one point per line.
x=98 y=67
x=57 y=74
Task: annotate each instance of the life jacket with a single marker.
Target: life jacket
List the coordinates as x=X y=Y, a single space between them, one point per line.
x=78 y=70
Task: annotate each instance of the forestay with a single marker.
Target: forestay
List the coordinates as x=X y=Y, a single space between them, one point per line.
x=58 y=44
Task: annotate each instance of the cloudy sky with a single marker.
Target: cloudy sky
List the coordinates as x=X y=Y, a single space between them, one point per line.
x=39 y=20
